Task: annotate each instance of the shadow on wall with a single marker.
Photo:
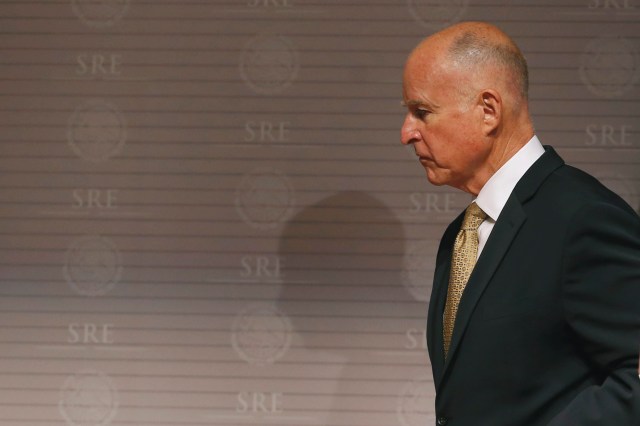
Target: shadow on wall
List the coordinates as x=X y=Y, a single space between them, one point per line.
x=342 y=290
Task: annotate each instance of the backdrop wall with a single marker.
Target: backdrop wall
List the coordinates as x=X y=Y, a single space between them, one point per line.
x=207 y=217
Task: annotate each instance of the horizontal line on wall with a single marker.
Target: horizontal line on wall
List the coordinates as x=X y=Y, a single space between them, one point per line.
x=221 y=280
x=191 y=236
x=209 y=268
x=301 y=143
x=281 y=282
x=410 y=173
x=212 y=392
x=271 y=98
x=330 y=175
x=283 y=114
x=114 y=347
x=124 y=348
x=377 y=316
x=409 y=38
x=215 y=330
x=392 y=145
x=354 y=83
x=631 y=147
x=189 y=188
x=205 y=111
x=174 y=158
x=54 y=296
x=194 y=127
x=427 y=189
x=73 y=212
x=550 y=18
x=359 y=348
x=236 y=420
x=283 y=418
x=337 y=50
x=298 y=4
x=211 y=376
x=232 y=252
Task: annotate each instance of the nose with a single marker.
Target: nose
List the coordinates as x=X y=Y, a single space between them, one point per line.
x=408 y=133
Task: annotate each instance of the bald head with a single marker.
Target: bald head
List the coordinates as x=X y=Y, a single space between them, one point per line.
x=481 y=55
x=479 y=45
x=465 y=89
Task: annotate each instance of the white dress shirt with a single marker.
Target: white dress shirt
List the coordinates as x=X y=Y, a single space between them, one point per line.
x=495 y=193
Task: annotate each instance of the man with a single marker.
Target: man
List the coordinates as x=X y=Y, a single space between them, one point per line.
x=534 y=316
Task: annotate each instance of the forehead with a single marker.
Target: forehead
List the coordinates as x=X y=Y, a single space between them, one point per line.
x=419 y=82
x=431 y=78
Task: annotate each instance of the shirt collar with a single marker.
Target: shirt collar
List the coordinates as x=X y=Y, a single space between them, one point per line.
x=495 y=193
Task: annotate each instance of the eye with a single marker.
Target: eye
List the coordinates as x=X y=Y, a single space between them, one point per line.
x=421 y=113
x=418 y=110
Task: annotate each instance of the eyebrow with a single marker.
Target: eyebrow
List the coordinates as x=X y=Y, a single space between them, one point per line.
x=416 y=103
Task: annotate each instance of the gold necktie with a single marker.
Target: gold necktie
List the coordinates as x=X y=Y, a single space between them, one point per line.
x=465 y=252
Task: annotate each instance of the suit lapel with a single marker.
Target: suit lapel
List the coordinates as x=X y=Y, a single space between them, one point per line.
x=504 y=231
x=436 y=308
x=439 y=297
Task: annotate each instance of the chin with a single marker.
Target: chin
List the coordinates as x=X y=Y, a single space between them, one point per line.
x=434 y=179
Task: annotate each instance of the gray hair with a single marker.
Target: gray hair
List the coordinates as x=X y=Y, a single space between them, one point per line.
x=471 y=50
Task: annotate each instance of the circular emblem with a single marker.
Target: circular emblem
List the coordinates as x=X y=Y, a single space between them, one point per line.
x=100 y=13
x=264 y=198
x=93 y=266
x=419 y=265
x=261 y=334
x=88 y=398
x=269 y=63
x=96 y=131
x=621 y=186
x=609 y=66
x=436 y=14
x=415 y=402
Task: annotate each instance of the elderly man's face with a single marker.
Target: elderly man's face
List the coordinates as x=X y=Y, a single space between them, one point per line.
x=443 y=126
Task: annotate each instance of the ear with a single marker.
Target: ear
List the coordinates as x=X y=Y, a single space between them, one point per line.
x=491 y=103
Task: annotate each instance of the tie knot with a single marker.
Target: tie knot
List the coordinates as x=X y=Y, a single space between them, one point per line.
x=473 y=217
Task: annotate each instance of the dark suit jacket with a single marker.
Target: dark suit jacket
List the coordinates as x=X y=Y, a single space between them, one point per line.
x=548 y=327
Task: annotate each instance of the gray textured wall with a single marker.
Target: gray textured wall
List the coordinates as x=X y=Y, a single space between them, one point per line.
x=206 y=214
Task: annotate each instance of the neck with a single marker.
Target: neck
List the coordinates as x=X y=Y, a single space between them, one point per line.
x=504 y=146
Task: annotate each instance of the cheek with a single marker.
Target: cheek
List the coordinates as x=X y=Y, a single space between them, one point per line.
x=464 y=144
x=446 y=146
